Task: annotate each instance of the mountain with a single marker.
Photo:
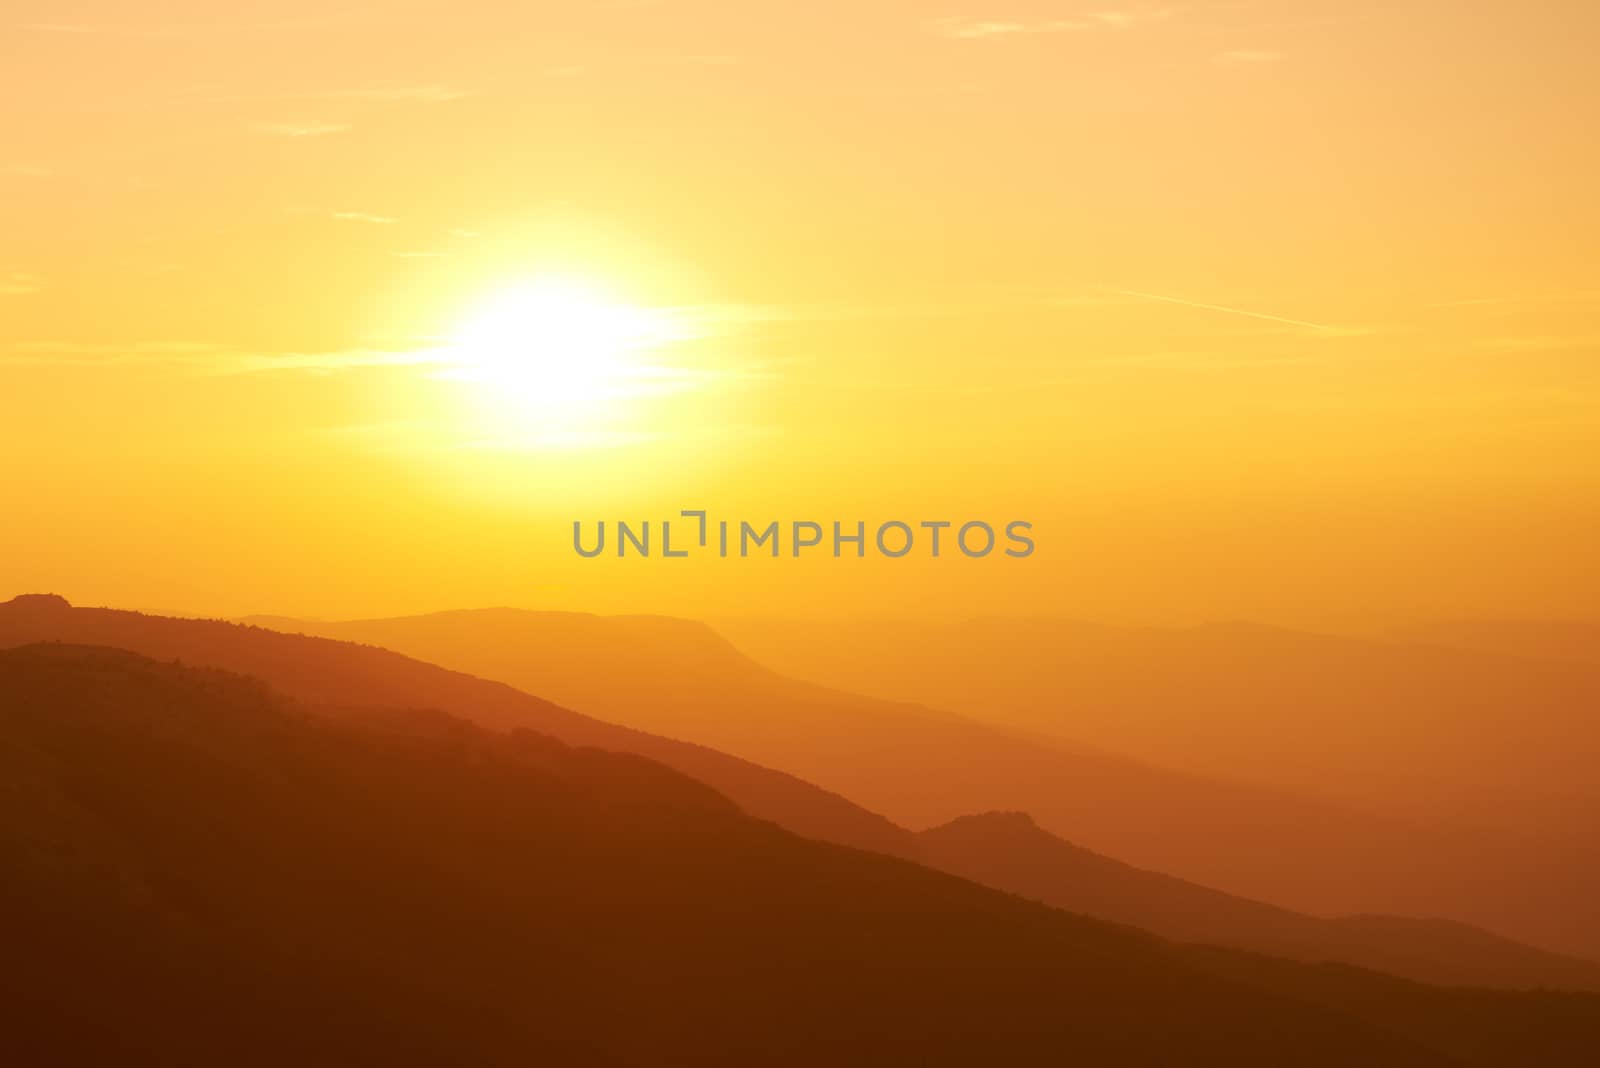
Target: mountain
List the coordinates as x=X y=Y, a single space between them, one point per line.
x=1009 y=850
x=922 y=766
x=200 y=871
x=1573 y=642
x=351 y=675
x=1412 y=727
x=341 y=673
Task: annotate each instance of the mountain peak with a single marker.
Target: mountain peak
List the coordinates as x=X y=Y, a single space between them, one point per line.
x=37 y=602
x=994 y=822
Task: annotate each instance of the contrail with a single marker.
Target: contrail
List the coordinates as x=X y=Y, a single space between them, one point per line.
x=1220 y=308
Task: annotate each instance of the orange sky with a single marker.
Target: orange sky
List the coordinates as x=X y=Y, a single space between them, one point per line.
x=1282 y=310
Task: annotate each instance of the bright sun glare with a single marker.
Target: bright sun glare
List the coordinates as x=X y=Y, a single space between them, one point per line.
x=556 y=352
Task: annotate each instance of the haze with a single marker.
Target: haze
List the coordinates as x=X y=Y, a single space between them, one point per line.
x=1280 y=311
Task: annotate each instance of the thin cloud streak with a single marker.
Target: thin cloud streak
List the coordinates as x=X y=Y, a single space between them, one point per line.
x=1538 y=298
x=443 y=361
x=206 y=357
x=1320 y=328
x=426 y=94
x=19 y=283
x=1123 y=20
x=1248 y=57
x=961 y=29
x=1541 y=343
x=303 y=129
x=172 y=30
x=976 y=29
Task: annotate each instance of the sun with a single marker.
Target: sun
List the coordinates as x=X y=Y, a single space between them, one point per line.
x=556 y=352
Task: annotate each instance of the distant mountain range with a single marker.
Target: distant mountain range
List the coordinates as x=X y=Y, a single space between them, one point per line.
x=1305 y=848
x=1028 y=862
x=199 y=871
x=1008 y=850
x=1482 y=733
x=1573 y=642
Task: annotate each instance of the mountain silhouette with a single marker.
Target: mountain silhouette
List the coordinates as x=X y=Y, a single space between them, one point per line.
x=922 y=765
x=1405 y=727
x=200 y=871
x=345 y=674
x=353 y=676
x=1573 y=642
x=1010 y=851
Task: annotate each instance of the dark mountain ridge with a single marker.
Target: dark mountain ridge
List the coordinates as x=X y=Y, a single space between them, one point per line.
x=1009 y=850
x=327 y=672
x=921 y=766
x=1039 y=866
x=200 y=871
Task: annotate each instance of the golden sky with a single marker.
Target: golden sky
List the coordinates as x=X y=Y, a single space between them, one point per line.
x=1283 y=310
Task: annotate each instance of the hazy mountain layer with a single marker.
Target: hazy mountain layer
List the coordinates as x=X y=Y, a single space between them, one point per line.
x=200 y=872
x=921 y=766
x=352 y=675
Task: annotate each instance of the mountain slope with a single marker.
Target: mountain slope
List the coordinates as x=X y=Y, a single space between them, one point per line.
x=1008 y=850
x=921 y=767
x=1574 y=642
x=201 y=872
x=1412 y=726
x=341 y=673
x=656 y=673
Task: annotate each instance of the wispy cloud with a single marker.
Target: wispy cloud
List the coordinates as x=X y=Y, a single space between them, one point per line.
x=303 y=129
x=971 y=29
x=1532 y=298
x=1247 y=57
x=28 y=353
x=207 y=358
x=975 y=29
x=1123 y=20
x=426 y=94
x=23 y=170
x=366 y=217
x=723 y=318
x=19 y=283
x=102 y=29
x=1541 y=343
x=326 y=362
x=1321 y=328
x=160 y=30
x=1202 y=360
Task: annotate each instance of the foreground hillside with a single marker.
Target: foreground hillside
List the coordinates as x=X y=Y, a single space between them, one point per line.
x=340 y=673
x=198 y=871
